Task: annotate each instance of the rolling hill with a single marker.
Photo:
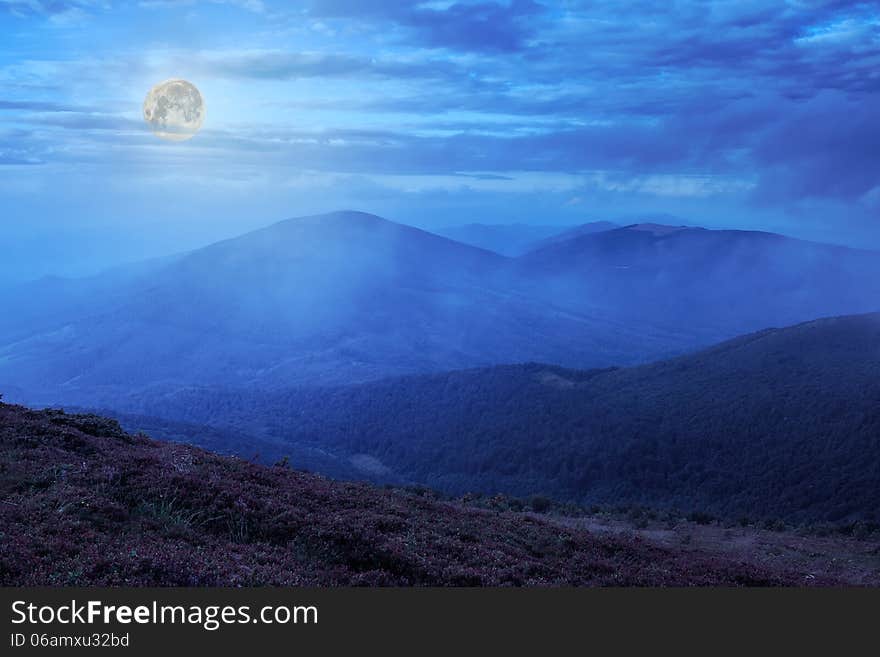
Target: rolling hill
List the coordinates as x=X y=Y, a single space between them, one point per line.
x=778 y=424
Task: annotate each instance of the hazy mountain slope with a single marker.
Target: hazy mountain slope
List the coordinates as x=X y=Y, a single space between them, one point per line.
x=233 y=443
x=506 y=239
x=780 y=424
x=349 y=297
x=86 y=504
x=47 y=302
x=327 y=299
x=717 y=283
x=571 y=233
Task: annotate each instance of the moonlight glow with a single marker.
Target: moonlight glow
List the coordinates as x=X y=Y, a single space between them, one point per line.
x=174 y=110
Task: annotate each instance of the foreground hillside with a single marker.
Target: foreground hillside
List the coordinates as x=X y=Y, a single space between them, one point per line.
x=81 y=502
x=779 y=424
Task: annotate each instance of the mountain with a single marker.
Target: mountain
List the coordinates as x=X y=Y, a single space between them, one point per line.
x=36 y=305
x=784 y=423
x=571 y=233
x=506 y=239
x=336 y=298
x=84 y=503
x=715 y=283
x=350 y=297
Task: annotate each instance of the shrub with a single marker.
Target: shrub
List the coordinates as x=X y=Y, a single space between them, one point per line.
x=701 y=518
x=540 y=504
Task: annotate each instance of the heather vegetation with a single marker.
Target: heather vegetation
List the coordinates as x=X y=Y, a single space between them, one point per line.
x=84 y=503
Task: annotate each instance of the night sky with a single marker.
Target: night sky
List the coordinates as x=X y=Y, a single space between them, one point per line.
x=739 y=114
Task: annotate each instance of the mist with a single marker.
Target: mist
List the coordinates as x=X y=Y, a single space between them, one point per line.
x=349 y=297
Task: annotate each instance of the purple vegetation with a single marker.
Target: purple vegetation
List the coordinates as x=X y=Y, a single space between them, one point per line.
x=84 y=503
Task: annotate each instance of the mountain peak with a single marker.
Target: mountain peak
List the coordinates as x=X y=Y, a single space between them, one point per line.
x=657 y=230
x=350 y=216
x=337 y=219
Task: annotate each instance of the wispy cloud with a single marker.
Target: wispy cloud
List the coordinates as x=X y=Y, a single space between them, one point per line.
x=279 y=65
x=57 y=11
x=256 y=6
x=492 y=27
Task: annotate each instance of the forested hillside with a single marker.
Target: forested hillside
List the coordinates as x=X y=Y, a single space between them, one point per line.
x=779 y=424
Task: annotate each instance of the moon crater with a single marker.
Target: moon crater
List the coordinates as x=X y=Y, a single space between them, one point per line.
x=174 y=110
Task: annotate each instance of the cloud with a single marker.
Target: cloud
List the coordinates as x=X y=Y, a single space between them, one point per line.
x=38 y=106
x=485 y=26
x=255 y=6
x=825 y=148
x=59 y=12
x=279 y=65
x=9 y=159
x=493 y=27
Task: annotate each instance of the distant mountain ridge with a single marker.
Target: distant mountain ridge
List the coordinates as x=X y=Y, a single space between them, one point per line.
x=506 y=239
x=571 y=233
x=317 y=300
x=718 y=283
x=514 y=240
x=349 y=297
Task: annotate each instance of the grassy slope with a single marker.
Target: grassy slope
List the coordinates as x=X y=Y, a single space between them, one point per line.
x=81 y=502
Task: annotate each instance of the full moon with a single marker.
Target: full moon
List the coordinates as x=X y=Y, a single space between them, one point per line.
x=174 y=109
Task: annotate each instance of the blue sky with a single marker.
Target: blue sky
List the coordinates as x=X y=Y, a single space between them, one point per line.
x=740 y=114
